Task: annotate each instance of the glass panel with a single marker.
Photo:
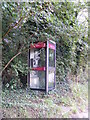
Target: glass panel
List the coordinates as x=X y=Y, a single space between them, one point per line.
x=51 y=58
x=51 y=79
x=37 y=57
x=37 y=79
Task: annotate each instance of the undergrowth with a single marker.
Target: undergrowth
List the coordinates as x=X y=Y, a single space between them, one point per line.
x=60 y=102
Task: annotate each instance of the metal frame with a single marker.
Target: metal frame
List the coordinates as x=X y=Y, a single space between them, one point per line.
x=47 y=64
x=52 y=42
x=28 y=74
x=47 y=88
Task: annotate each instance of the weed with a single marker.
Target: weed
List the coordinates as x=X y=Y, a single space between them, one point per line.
x=47 y=106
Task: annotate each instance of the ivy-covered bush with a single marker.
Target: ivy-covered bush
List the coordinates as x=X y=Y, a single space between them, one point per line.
x=23 y=23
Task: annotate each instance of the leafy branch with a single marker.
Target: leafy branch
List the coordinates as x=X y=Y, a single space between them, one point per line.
x=15 y=56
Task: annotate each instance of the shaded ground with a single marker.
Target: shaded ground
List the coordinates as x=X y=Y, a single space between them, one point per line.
x=68 y=100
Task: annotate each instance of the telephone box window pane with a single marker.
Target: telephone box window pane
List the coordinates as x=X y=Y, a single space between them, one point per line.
x=51 y=79
x=37 y=57
x=37 y=79
x=51 y=58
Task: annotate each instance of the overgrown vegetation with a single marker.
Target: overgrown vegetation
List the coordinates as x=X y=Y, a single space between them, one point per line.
x=25 y=22
x=64 y=102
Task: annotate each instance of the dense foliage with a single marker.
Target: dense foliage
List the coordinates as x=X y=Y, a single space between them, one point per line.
x=23 y=23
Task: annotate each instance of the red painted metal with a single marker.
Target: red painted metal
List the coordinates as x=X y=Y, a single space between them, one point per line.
x=51 y=46
x=38 y=45
x=39 y=68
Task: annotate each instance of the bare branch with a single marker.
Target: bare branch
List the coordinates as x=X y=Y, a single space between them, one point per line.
x=12 y=28
x=11 y=61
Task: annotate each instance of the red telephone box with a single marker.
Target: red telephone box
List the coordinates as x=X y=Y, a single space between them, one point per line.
x=42 y=63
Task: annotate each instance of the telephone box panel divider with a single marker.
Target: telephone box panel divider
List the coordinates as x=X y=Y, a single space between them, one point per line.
x=42 y=64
